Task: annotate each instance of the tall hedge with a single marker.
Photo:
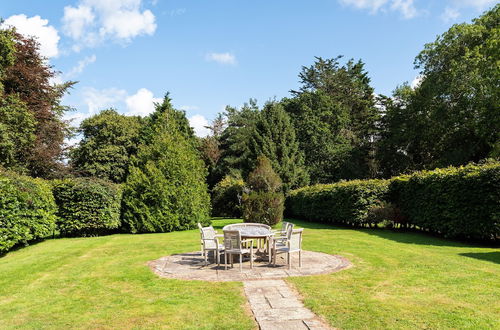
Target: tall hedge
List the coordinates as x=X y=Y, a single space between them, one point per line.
x=166 y=188
x=343 y=203
x=226 y=197
x=454 y=202
x=27 y=210
x=87 y=206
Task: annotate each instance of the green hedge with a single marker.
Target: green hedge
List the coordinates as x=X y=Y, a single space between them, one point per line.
x=86 y=206
x=346 y=202
x=453 y=202
x=27 y=210
x=263 y=207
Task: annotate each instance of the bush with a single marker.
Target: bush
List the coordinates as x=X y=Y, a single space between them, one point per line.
x=344 y=203
x=263 y=207
x=27 y=210
x=87 y=206
x=226 y=197
x=264 y=203
x=166 y=188
x=454 y=202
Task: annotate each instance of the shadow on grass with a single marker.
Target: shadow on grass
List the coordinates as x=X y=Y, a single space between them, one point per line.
x=399 y=235
x=487 y=256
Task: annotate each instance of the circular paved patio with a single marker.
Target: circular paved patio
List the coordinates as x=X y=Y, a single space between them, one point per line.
x=191 y=266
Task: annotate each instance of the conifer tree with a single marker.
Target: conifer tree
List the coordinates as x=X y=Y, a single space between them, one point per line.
x=274 y=137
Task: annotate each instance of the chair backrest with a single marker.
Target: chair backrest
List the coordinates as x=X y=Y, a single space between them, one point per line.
x=208 y=235
x=284 y=225
x=295 y=240
x=232 y=240
x=289 y=230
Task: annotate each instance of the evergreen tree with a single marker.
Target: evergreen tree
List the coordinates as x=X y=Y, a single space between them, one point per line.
x=165 y=189
x=274 y=137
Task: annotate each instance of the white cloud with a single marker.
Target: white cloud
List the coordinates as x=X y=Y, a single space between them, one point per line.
x=95 y=21
x=97 y=100
x=450 y=14
x=141 y=103
x=35 y=26
x=221 y=58
x=405 y=7
x=416 y=81
x=76 y=70
x=198 y=123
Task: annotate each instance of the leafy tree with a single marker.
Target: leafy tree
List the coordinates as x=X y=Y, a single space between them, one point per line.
x=336 y=118
x=109 y=140
x=236 y=138
x=453 y=116
x=274 y=137
x=28 y=78
x=211 y=151
x=165 y=189
x=17 y=133
x=264 y=202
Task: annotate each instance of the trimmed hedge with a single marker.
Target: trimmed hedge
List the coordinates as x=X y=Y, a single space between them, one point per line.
x=87 y=206
x=263 y=207
x=346 y=202
x=27 y=210
x=454 y=202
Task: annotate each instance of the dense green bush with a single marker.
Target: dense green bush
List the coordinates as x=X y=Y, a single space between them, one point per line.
x=264 y=202
x=166 y=188
x=263 y=207
x=86 y=206
x=27 y=210
x=226 y=197
x=454 y=202
x=344 y=203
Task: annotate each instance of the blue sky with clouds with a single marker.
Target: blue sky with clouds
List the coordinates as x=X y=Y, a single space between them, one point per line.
x=127 y=54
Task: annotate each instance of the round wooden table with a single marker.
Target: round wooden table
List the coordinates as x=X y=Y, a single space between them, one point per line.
x=257 y=231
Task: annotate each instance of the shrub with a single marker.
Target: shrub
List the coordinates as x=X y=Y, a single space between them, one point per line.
x=27 y=210
x=344 y=203
x=454 y=202
x=264 y=203
x=263 y=207
x=87 y=206
x=226 y=197
x=166 y=188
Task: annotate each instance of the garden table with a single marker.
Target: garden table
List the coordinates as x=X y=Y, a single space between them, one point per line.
x=257 y=231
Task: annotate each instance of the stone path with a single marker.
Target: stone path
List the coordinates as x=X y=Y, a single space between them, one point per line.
x=276 y=306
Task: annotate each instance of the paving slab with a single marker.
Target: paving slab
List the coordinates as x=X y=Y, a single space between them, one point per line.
x=274 y=303
x=191 y=266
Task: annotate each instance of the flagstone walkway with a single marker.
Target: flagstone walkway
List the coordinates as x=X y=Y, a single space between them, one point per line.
x=275 y=305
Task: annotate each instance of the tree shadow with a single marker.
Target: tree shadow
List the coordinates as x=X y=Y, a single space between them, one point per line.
x=406 y=236
x=487 y=256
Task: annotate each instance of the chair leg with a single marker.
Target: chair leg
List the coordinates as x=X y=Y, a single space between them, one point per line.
x=300 y=258
x=232 y=260
x=251 y=257
x=218 y=257
x=225 y=260
x=205 y=253
x=274 y=258
x=289 y=259
x=241 y=262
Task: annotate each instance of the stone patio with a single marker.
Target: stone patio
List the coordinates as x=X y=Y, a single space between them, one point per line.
x=191 y=266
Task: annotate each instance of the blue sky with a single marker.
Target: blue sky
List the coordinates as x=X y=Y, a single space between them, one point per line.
x=208 y=54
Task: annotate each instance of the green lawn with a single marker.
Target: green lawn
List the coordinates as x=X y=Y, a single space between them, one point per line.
x=398 y=281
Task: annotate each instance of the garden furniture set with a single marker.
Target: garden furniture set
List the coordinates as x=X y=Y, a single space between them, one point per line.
x=249 y=239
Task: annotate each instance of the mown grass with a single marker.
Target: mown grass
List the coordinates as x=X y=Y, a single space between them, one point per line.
x=399 y=280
